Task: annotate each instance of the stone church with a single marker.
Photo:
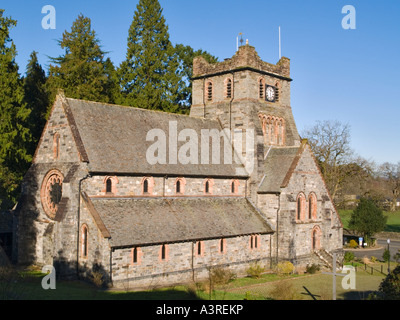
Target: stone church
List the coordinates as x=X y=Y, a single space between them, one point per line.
x=151 y=198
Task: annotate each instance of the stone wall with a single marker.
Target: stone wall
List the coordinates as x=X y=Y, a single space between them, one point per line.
x=183 y=264
x=296 y=236
x=130 y=186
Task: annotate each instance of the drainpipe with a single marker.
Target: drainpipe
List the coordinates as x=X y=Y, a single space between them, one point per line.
x=277 y=227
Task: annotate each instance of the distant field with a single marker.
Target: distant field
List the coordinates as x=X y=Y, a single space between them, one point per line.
x=392 y=225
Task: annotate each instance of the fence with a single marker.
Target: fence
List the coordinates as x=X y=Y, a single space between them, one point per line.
x=369 y=269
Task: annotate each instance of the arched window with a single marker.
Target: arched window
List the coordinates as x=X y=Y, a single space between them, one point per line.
x=200 y=248
x=84 y=241
x=109 y=185
x=56 y=146
x=312 y=206
x=234 y=186
x=180 y=186
x=301 y=207
x=253 y=241
x=135 y=255
x=164 y=252
x=208 y=186
x=222 y=246
x=146 y=186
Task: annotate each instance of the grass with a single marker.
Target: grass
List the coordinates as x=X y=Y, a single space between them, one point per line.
x=392 y=224
x=28 y=287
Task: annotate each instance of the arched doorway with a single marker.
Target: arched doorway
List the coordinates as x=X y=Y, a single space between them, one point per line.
x=316 y=238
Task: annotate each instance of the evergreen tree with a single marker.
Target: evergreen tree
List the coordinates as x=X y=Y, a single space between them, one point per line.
x=36 y=97
x=148 y=76
x=14 y=133
x=367 y=219
x=82 y=71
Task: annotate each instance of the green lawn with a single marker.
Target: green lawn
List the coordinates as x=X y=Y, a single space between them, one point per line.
x=301 y=286
x=392 y=225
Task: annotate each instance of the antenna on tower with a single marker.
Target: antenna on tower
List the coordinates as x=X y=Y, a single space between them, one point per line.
x=280 y=47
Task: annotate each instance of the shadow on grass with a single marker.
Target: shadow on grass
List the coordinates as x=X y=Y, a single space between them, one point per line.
x=356 y=295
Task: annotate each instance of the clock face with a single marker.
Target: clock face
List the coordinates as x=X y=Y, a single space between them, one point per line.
x=51 y=192
x=270 y=93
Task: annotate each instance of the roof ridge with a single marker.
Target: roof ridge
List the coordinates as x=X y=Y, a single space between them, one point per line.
x=141 y=109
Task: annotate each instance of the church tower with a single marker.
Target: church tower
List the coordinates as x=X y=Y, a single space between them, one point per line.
x=244 y=93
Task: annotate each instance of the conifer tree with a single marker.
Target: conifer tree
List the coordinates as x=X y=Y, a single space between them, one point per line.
x=36 y=97
x=148 y=76
x=14 y=133
x=82 y=72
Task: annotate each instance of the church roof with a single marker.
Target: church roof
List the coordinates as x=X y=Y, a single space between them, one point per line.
x=144 y=221
x=278 y=164
x=113 y=138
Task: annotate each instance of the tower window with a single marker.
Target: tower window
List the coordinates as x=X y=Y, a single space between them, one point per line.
x=178 y=186
x=135 y=255
x=209 y=91
x=207 y=187
x=261 y=85
x=229 y=88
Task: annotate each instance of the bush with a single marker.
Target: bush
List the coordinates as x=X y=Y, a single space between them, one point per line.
x=284 y=268
x=348 y=256
x=255 y=270
x=312 y=268
x=221 y=276
x=373 y=259
x=353 y=244
x=389 y=288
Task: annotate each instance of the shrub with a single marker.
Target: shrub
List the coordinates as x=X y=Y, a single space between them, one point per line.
x=389 y=288
x=348 y=256
x=255 y=270
x=284 y=268
x=221 y=276
x=312 y=268
x=353 y=244
x=373 y=259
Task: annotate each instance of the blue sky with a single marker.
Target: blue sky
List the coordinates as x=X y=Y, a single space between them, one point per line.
x=347 y=75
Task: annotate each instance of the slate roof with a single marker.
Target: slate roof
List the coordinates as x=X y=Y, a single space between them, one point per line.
x=143 y=221
x=278 y=163
x=112 y=139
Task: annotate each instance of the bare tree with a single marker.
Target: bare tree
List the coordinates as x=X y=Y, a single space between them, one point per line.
x=391 y=173
x=330 y=142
